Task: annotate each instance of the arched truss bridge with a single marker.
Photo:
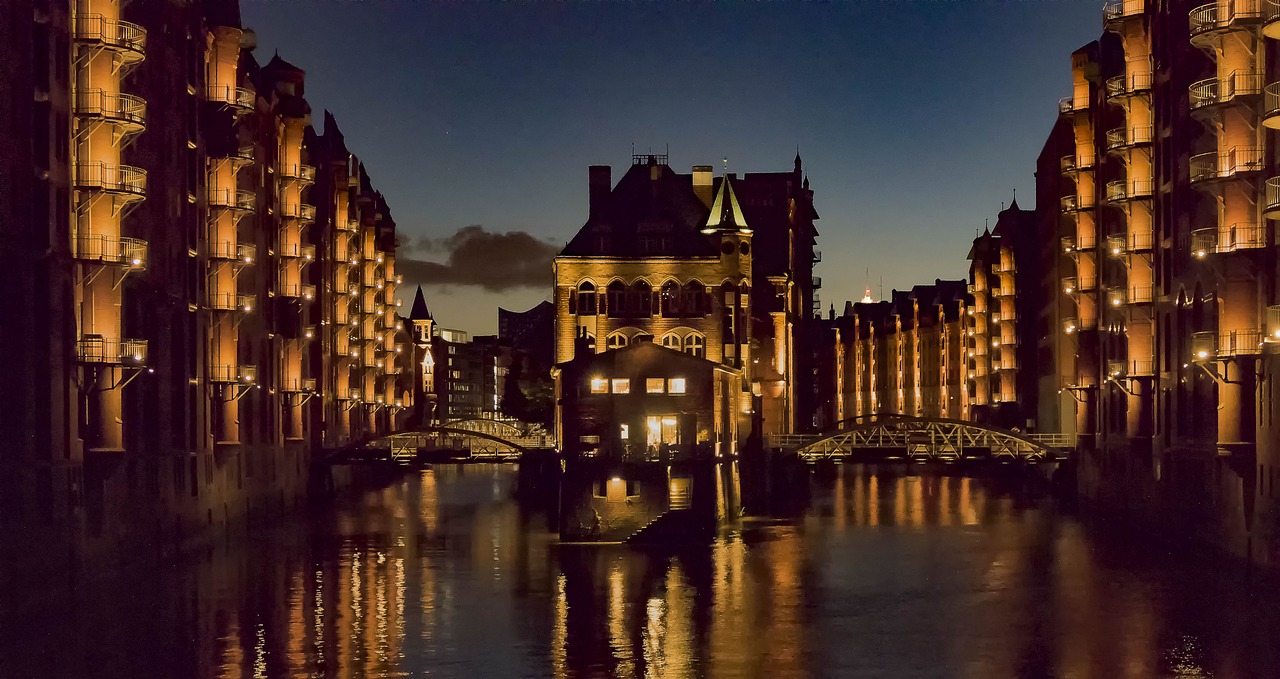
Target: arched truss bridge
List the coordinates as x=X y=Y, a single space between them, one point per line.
x=902 y=437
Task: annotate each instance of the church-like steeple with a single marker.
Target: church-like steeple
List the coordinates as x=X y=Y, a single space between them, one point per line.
x=726 y=213
x=419 y=311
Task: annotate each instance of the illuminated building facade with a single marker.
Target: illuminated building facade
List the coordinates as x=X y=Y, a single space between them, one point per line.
x=905 y=356
x=175 y=229
x=672 y=258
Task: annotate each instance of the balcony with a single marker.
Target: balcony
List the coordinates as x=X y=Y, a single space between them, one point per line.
x=1271 y=28
x=1128 y=85
x=308 y=253
x=128 y=252
x=1271 y=106
x=239 y=99
x=232 y=199
x=1072 y=284
x=226 y=374
x=1123 y=138
x=125 y=181
x=1273 y=323
x=1142 y=294
x=125 y=110
x=1119 y=10
x=230 y=301
x=817 y=282
x=1116 y=245
x=1206 y=167
x=298 y=385
x=1139 y=241
x=291 y=210
x=308 y=292
x=1210 y=92
x=1132 y=368
x=126 y=39
x=1271 y=208
x=817 y=256
x=1072 y=204
x=1228 y=239
x=351 y=225
x=1208 y=21
x=99 y=350
x=1123 y=190
x=299 y=172
x=1068 y=105
x=1073 y=163
x=1209 y=345
x=241 y=253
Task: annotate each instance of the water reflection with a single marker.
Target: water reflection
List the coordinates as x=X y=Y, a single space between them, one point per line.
x=889 y=574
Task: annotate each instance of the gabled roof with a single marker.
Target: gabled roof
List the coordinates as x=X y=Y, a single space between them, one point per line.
x=653 y=204
x=419 y=312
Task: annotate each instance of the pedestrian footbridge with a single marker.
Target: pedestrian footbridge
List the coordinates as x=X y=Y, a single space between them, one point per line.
x=476 y=440
x=902 y=437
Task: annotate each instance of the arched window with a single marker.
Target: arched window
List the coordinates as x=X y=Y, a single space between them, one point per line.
x=586 y=299
x=616 y=340
x=671 y=341
x=670 y=299
x=616 y=299
x=641 y=299
x=693 y=299
x=695 y=344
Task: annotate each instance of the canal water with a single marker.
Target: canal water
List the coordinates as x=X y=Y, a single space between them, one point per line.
x=445 y=574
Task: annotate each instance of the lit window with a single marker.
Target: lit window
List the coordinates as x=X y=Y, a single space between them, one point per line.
x=693 y=344
x=616 y=341
x=671 y=341
x=621 y=385
x=675 y=385
x=653 y=385
x=599 y=385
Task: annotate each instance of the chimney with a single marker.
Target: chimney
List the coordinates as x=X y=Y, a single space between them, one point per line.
x=702 y=184
x=599 y=182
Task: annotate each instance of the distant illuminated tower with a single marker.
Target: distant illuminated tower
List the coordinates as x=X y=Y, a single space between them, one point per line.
x=866 y=297
x=423 y=332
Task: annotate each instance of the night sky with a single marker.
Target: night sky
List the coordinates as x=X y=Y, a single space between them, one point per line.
x=915 y=120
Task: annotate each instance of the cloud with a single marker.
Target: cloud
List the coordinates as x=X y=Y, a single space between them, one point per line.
x=496 y=262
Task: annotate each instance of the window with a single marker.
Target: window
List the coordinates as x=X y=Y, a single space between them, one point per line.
x=616 y=299
x=599 y=385
x=653 y=385
x=671 y=341
x=586 y=299
x=620 y=385
x=616 y=341
x=694 y=344
x=676 y=385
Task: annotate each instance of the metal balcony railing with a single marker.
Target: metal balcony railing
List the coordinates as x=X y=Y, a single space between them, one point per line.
x=1117 y=297
x=349 y=225
x=1142 y=294
x=1128 y=189
x=1271 y=104
x=233 y=373
x=309 y=253
x=1116 y=245
x=123 y=109
x=1229 y=238
x=128 y=252
x=1070 y=325
x=1215 y=91
x=285 y=289
x=303 y=211
x=1272 y=204
x=120 y=179
x=1242 y=342
x=1068 y=244
x=299 y=171
x=1139 y=241
x=1213 y=165
x=95 y=349
x=298 y=384
x=242 y=99
x=1073 y=104
x=231 y=198
x=1115 y=10
x=246 y=252
x=1124 y=137
x=230 y=301
x=129 y=39
x=1204 y=345
x=1128 y=84
x=817 y=256
x=308 y=292
x=1223 y=15
x=243 y=154
x=289 y=250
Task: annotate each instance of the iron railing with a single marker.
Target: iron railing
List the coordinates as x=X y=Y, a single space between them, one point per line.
x=1223 y=165
x=122 y=179
x=235 y=199
x=125 y=109
x=1214 y=91
x=129 y=38
x=130 y=252
x=111 y=350
x=239 y=98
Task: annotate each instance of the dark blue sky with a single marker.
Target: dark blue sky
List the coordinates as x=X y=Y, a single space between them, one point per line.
x=915 y=119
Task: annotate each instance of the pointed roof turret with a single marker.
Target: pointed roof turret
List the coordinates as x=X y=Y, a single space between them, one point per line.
x=726 y=213
x=419 y=312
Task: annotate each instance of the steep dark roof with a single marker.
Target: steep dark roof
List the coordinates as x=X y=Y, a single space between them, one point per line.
x=726 y=213
x=651 y=212
x=419 y=312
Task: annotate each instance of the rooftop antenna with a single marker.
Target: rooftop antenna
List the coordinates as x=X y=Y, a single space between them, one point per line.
x=882 y=286
x=726 y=164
